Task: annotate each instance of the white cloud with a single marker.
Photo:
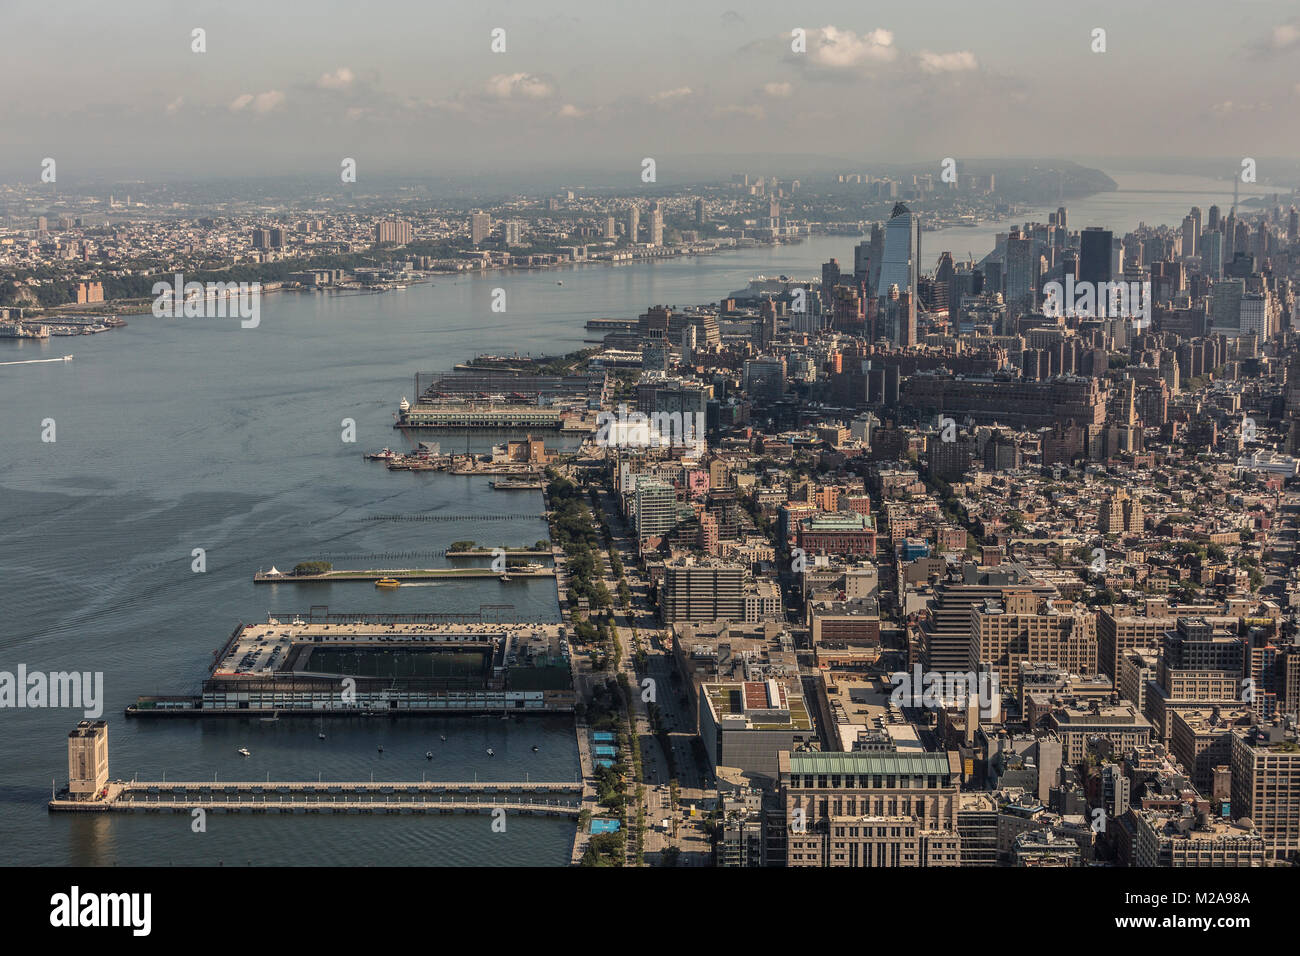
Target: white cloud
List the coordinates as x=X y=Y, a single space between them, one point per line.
x=505 y=86
x=838 y=49
x=340 y=79
x=260 y=102
x=668 y=96
x=1286 y=35
x=777 y=89
x=955 y=62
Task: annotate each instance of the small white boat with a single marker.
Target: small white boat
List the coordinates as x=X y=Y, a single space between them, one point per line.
x=491 y=752
x=444 y=738
x=381 y=748
x=428 y=755
x=245 y=752
x=67 y=358
x=320 y=736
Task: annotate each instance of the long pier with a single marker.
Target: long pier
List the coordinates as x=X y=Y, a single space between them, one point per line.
x=553 y=799
x=400 y=574
x=422 y=517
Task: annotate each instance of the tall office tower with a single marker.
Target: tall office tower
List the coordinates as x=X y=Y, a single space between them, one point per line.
x=633 y=222
x=1022 y=273
x=690 y=335
x=1190 y=234
x=774 y=213
x=1062 y=219
x=901 y=257
x=1213 y=221
x=1261 y=244
x=1241 y=239
x=1212 y=253
x=261 y=238
x=897 y=318
x=1293 y=225
x=830 y=277
x=1195 y=213
x=1225 y=304
x=862 y=262
x=764 y=378
x=514 y=233
x=1094 y=254
x=699 y=211
x=944 y=274
x=480 y=227
x=611 y=229
x=1255 y=315
x=656 y=236
x=877 y=251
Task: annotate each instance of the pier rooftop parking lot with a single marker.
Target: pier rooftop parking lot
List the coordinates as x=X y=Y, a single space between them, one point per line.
x=261 y=649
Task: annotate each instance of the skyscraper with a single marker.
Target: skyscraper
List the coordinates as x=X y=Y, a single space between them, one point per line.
x=1094 y=255
x=877 y=250
x=862 y=262
x=656 y=236
x=1191 y=232
x=633 y=222
x=480 y=227
x=1022 y=274
x=1212 y=253
x=899 y=259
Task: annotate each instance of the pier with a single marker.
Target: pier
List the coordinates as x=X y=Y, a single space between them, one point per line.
x=421 y=517
x=552 y=799
x=400 y=574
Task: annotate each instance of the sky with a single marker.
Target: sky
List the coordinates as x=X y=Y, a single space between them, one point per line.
x=115 y=90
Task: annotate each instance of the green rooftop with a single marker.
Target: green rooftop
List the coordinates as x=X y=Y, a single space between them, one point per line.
x=840 y=521
x=869 y=762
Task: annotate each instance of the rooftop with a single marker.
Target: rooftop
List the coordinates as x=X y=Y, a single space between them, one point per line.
x=870 y=762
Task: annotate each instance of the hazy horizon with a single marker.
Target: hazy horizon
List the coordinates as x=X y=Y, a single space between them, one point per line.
x=405 y=88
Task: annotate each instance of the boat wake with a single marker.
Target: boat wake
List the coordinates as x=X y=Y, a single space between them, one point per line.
x=66 y=358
